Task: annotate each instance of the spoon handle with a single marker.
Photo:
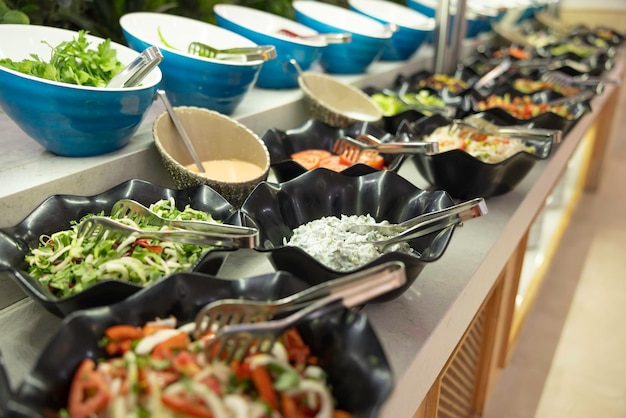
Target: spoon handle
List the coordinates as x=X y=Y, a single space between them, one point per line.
x=181 y=130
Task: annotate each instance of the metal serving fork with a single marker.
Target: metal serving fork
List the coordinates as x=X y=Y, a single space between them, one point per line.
x=127 y=208
x=352 y=148
x=244 y=54
x=559 y=78
x=101 y=227
x=238 y=340
x=482 y=126
x=423 y=224
x=224 y=312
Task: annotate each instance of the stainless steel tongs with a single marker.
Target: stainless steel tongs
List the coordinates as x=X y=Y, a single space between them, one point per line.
x=423 y=224
x=101 y=227
x=243 y=54
x=224 y=312
x=238 y=340
x=127 y=208
x=488 y=128
x=138 y=69
x=352 y=148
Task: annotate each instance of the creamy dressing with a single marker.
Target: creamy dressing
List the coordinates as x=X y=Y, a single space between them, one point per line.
x=233 y=171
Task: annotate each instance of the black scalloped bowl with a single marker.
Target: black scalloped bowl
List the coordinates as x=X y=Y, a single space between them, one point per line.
x=315 y=134
x=466 y=177
x=55 y=213
x=345 y=343
x=277 y=209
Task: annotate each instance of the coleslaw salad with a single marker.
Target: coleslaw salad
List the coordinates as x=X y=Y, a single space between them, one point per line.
x=67 y=264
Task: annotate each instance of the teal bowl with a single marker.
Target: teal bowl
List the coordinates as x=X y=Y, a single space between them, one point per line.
x=268 y=29
x=369 y=36
x=66 y=119
x=412 y=27
x=188 y=79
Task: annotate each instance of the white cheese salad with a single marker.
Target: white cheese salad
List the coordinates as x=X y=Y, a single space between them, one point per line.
x=328 y=241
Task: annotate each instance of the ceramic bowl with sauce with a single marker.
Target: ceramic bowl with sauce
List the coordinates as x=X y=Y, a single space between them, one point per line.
x=335 y=103
x=234 y=158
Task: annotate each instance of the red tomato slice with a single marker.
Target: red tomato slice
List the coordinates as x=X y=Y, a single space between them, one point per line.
x=334 y=163
x=89 y=393
x=186 y=406
x=310 y=158
x=373 y=159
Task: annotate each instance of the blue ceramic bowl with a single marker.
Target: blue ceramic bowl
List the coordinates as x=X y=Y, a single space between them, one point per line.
x=369 y=37
x=477 y=19
x=191 y=80
x=265 y=29
x=66 y=119
x=412 y=27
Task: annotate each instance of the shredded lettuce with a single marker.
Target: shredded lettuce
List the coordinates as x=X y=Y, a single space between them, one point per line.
x=67 y=265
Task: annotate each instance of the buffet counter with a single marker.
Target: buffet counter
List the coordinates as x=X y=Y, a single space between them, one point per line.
x=446 y=337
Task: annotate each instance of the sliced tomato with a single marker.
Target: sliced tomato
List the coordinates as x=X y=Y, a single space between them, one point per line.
x=263 y=384
x=289 y=407
x=123 y=332
x=373 y=159
x=145 y=243
x=89 y=393
x=310 y=158
x=186 y=405
x=168 y=348
x=334 y=163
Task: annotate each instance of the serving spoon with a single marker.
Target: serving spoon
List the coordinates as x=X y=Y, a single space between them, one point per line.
x=181 y=130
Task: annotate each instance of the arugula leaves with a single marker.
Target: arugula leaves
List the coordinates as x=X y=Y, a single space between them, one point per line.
x=72 y=62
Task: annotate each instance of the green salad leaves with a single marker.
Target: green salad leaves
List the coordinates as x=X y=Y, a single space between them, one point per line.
x=72 y=62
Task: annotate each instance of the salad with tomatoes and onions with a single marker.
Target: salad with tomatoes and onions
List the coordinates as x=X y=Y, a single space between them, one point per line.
x=486 y=148
x=67 y=264
x=159 y=370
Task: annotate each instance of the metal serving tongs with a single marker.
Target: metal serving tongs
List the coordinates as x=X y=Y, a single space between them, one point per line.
x=493 y=74
x=127 y=208
x=476 y=122
x=423 y=224
x=352 y=148
x=236 y=341
x=581 y=96
x=243 y=54
x=101 y=227
x=223 y=312
x=559 y=78
x=138 y=69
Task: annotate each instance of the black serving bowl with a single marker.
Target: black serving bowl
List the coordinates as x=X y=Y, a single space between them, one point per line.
x=451 y=96
x=55 y=214
x=277 y=209
x=315 y=134
x=346 y=345
x=466 y=177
